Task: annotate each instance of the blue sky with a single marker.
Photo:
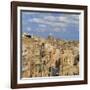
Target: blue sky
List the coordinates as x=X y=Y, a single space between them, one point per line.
x=60 y=25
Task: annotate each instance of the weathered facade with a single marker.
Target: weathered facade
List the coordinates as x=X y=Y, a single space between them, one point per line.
x=48 y=57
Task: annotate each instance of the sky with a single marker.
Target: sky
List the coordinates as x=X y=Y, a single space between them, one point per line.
x=60 y=25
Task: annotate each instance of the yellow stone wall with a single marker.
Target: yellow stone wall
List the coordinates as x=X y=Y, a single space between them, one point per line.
x=40 y=56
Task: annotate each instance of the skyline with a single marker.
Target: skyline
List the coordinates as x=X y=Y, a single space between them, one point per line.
x=59 y=25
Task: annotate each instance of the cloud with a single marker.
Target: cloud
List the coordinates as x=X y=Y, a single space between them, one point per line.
x=47 y=22
x=41 y=30
x=56 y=22
x=57 y=29
x=64 y=18
x=29 y=13
x=73 y=19
x=28 y=29
x=50 y=18
x=56 y=18
x=42 y=25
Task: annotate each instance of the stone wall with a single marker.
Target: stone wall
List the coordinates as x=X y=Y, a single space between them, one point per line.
x=49 y=57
